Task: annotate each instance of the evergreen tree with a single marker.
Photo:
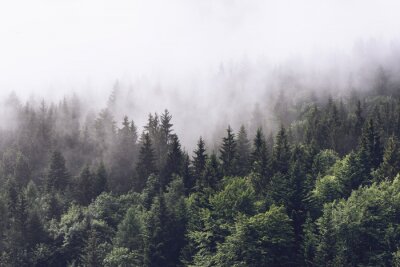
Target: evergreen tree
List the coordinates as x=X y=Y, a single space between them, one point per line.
x=57 y=176
x=146 y=163
x=156 y=241
x=99 y=184
x=390 y=166
x=188 y=178
x=174 y=161
x=84 y=186
x=22 y=171
x=92 y=254
x=124 y=157
x=199 y=159
x=212 y=174
x=370 y=151
x=260 y=162
x=228 y=153
x=359 y=119
x=243 y=152
x=165 y=131
x=281 y=153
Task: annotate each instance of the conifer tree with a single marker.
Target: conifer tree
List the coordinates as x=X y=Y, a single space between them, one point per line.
x=199 y=159
x=228 y=153
x=390 y=166
x=259 y=161
x=370 y=151
x=165 y=132
x=174 y=161
x=156 y=237
x=22 y=171
x=84 y=185
x=146 y=163
x=243 y=152
x=188 y=178
x=100 y=180
x=212 y=174
x=92 y=255
x=281 y=153
x=58 y=176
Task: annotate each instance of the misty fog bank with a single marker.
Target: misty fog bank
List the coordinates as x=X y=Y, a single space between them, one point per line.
x=248 y=92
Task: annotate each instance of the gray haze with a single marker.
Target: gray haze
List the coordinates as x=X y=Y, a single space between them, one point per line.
x=210 y=62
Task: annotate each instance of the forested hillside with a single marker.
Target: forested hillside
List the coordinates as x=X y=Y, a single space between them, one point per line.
x=322 y=190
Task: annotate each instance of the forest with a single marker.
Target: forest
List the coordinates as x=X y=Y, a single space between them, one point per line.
x=323 y=189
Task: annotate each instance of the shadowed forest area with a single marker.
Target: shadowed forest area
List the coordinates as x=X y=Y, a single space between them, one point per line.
x=322 y=190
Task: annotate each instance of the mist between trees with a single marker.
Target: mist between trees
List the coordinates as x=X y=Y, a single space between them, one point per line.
x=304 y=178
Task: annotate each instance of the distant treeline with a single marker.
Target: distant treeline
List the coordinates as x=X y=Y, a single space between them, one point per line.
x=323 y=190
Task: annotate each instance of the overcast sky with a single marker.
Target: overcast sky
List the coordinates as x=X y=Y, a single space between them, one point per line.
x=62 y=45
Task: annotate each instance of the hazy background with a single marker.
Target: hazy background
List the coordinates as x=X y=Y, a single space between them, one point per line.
x=210 y=62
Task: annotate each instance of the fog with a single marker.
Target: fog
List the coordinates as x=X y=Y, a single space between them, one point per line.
x=209 y=62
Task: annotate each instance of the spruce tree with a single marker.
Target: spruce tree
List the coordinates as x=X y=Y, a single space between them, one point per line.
x=243 y=152
x=57 y=176
x=390 y=166
x=99 y=184
x=228 y=153
x=370 y=151
x=84 y=185
x=199 y=159
x=281 y=153
x=260 y=161
x=174 y=161
x=146 y=163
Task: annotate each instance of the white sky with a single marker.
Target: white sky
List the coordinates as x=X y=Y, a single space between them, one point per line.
x=61 y=45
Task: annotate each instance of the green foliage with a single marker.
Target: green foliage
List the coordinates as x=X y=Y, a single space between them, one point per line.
x=237 y=197
x=228 y=153
x=261 y=240
x=58 y=176
x=311 y=196
x=363 y=230
x=146 y=163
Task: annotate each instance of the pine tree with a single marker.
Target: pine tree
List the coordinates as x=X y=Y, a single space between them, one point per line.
x=188 y=178
x=309 y=242
x=84 y=185
x=281 y=153
x=165 y=132
x=99 y=184
x=92 y=255
x=259 y=161
x=370 y=151
x=212 y=174
x=174 y=161
x=199 y=159
x=146 y=164
x=22 y=171
x=58 y=176
x=243 y=152
x=358 y=125
x=124 y=157
x=390 y=166
x=228 y=153
x=156 y=237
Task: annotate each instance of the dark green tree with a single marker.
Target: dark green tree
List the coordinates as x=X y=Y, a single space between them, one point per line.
x=390 y=166
x=228 y=153
x=174 y=162
x=243 y=152
x=100 y=178
x=281 y=153
x=199 y=160
x=146 y=163
x=58 y=177
x=260 y=162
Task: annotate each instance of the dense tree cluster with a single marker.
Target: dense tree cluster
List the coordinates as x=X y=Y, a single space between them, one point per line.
x=325 y=191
